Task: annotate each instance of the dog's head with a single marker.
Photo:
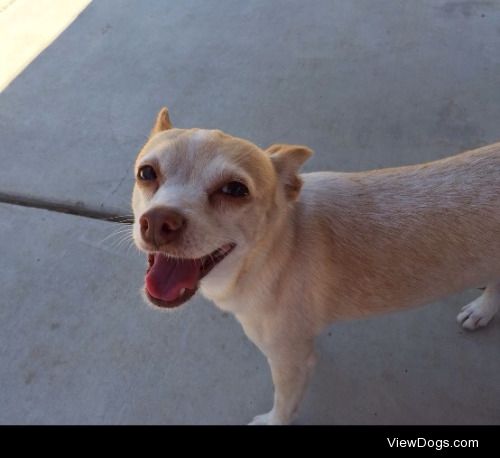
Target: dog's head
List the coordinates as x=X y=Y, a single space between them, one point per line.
x=202 y=200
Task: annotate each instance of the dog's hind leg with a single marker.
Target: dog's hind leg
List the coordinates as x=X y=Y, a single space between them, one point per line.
x=480 y=311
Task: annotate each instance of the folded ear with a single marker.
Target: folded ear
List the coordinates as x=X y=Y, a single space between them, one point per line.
x=287 y=160
x=162 y=122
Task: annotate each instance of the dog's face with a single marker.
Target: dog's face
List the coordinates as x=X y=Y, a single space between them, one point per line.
x=202 y=199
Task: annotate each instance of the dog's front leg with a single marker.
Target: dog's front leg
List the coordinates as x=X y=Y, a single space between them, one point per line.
x=291 y=371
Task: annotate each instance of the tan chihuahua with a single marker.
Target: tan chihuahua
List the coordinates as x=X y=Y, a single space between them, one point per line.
x=288 y=254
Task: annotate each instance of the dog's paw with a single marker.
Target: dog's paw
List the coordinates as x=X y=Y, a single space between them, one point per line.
x=478 y=313
x=267 y=419
x=261 y=420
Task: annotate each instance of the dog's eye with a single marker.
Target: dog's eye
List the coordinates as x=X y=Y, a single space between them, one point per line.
x=234 y=189
x=146 y=173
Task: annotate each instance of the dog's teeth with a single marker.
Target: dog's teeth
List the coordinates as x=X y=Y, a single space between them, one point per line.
x=183 y=290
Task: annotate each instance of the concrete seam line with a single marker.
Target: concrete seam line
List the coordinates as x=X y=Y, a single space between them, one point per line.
x=61 y=207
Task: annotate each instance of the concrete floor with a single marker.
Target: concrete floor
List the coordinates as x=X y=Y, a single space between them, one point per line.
x=366 y=83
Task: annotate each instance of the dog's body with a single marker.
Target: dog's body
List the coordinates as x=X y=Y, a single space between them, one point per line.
x=302 y=255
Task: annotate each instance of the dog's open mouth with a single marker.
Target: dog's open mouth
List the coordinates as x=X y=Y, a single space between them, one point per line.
x=172 y=281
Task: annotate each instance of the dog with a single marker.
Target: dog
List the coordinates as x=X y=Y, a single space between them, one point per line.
x=290 y=253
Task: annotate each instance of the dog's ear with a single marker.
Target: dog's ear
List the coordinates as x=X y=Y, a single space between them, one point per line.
x=162 y=122
x=287 y=160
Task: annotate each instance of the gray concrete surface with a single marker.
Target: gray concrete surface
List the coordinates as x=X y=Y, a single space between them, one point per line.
x=80 y=346
x=366 y=83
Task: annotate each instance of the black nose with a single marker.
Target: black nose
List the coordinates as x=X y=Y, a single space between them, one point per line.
x=161 y=225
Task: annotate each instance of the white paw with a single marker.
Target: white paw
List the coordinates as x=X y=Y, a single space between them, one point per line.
x=260 y=420
x=267 y=419
x=478 y=313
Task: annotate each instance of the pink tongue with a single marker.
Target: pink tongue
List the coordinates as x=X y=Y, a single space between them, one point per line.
x=168 y=276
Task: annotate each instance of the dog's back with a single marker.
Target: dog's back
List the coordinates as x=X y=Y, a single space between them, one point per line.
x=403 y=231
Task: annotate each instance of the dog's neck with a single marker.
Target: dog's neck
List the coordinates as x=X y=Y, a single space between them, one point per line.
x=255 y=277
